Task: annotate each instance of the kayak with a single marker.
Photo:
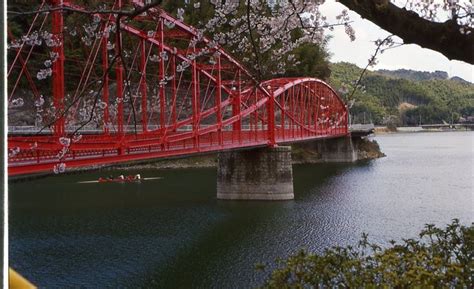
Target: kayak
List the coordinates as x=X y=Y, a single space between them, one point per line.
x=119 y=180
x=128 y=179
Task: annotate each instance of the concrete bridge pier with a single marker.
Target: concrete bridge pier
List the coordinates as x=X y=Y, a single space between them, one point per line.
x=257 y=174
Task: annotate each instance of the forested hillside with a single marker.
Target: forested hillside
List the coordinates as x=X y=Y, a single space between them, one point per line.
x=404 y=97
x=414 y=74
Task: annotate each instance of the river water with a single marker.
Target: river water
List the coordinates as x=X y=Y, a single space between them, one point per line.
x=173 y=233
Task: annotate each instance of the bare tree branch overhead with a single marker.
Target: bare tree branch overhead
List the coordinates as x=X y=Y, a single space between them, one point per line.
x=453 y=40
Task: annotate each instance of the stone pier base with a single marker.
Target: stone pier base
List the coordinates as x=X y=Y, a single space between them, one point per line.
x=338 y=150
x=257 y=174
x=334 y=150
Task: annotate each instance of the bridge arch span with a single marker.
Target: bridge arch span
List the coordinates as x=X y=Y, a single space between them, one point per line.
x=306 y=108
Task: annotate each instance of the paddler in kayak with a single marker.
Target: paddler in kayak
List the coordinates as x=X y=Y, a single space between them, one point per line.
x=135 y=178
x=121 y=178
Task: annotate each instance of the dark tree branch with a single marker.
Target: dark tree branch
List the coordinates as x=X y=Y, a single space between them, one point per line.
x=370 y=62
x=445 y=37
x=252 y=41
x=76 y=99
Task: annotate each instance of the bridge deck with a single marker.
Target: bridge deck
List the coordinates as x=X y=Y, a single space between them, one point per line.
x=360 y=130
x=109 y=153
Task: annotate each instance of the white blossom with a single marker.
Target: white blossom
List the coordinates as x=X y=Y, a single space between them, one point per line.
x=102 y=105
x=154 y=58
x=169 y=24
x=76 y=138
x=44 y=73
x=59 y=168
x=53 y=56
x=16 y=102
x=164 y=56
x=65 y=141
x=40 y=101
x=13 y=152
x=180 y=14
x=110 y=45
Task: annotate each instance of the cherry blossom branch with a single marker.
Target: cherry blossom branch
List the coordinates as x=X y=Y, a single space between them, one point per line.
x=371 y=62
x=65 y=111
x=122 y=13
x=127 y=79
x=252 y=41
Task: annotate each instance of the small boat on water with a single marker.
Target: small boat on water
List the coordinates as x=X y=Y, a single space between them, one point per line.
x=121 y=179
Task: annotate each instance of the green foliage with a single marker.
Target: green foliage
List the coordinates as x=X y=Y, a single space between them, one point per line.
x=433 y=100
x=313 y=62
x=439 y=258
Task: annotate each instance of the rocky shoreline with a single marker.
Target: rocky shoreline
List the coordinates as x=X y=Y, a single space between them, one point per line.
x=368 y=149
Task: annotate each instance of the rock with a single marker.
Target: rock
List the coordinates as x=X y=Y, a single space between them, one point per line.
x=367 y=149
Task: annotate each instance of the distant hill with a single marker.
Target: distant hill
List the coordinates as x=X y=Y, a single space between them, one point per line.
x=418 y=75
x=405 y=96
x=459 y=79
x=413 y=74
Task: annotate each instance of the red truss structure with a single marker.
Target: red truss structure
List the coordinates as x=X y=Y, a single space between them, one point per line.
x=154 y=88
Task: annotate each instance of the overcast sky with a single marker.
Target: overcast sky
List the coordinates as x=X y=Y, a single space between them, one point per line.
x=407 y=56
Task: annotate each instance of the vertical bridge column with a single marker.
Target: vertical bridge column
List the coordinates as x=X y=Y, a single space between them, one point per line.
x=257 y=174
x=57 y=23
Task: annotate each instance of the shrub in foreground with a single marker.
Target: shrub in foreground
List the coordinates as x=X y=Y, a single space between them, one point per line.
x=438 y=258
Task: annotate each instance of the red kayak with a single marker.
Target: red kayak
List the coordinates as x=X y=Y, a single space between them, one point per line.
x=127 y=179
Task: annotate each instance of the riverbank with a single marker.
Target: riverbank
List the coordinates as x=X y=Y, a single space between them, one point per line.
x=378 y=130
x=366 y=149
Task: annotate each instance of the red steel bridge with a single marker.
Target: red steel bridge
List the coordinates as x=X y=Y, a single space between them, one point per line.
x=153 y=88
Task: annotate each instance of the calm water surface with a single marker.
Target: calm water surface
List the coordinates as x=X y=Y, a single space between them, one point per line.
x=173 y=233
